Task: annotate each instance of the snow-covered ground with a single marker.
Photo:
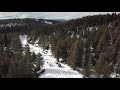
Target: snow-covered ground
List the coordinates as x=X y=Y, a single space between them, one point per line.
x=52 y=70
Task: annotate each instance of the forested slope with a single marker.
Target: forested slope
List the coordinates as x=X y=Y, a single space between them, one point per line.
x=90 y=44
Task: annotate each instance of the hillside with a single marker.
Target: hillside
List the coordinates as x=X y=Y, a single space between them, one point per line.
x=86 y=47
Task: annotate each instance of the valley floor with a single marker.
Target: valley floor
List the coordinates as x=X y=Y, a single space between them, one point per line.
x=53 y=69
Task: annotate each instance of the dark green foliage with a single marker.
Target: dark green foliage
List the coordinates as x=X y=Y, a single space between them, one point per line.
x=91 y=43
x=75 y=54
x=103 y=66
x=14 y=63
x=39 y=61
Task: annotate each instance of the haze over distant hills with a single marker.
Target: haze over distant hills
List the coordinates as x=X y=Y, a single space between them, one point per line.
x=48 y=15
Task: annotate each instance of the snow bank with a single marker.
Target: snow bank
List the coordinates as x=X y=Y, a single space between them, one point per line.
x=23 y=39
x=52 y=69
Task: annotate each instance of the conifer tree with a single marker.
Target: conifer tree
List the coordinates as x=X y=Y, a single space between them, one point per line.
x=75 y=55
x=103 y=67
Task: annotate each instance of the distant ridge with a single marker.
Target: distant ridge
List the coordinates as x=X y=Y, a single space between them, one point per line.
x=61 y=20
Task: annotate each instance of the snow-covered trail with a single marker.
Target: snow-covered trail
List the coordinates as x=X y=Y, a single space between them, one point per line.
x=52 y=70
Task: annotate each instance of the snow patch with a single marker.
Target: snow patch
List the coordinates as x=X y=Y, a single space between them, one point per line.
x=53 y=69
x=47 y=22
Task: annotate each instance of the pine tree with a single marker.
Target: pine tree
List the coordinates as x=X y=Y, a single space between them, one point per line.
x=33 y=57
x=13 y=71
x=1 y=59
x=87 y=65
x=64 y=49
x=16 y=45
x=88 y=57
x=6 y=40
x=25 y=69
x=75 y=55
x=103 y=67
x=39 y=61
x=56 y=48
x=39 y=64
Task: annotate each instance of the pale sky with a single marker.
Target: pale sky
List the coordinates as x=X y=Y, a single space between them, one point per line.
x=48 y=15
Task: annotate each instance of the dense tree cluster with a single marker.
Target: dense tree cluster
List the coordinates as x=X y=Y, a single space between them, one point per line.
x=16 y=61
x=90 y=44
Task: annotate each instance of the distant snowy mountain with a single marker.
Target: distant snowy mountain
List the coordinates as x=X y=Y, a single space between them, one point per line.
x=60 y=20
x=52 y=21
